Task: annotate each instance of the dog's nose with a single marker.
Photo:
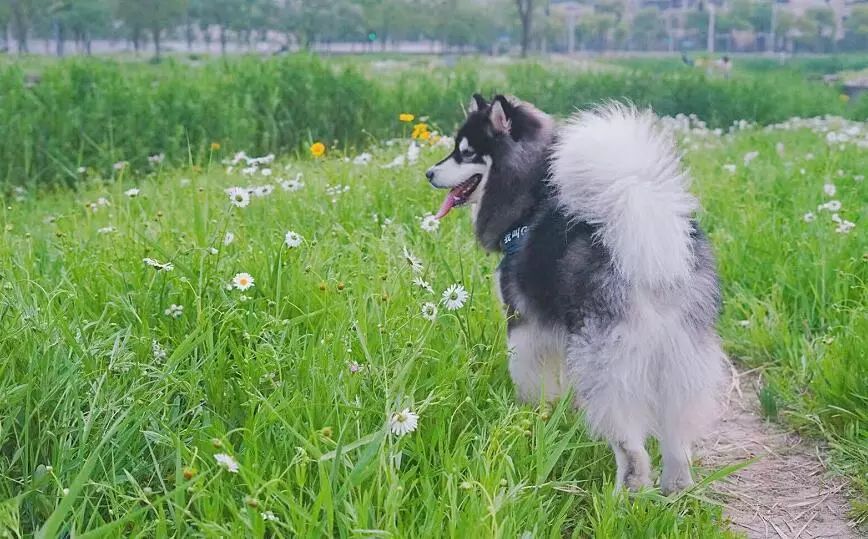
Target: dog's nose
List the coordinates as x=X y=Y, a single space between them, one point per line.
x=429 y=174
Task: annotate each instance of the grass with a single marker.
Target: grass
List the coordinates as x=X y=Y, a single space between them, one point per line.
x=58 y=116
x=264 y=376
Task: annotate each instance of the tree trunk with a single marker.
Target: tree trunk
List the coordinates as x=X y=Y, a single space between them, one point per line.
x=525 y=13
x=189 y=34
x=136 y=37
x=19 y=24
x=156 y=32
x=59 y=37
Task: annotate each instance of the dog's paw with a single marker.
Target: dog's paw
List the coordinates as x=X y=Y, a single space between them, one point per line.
x=634 y=482
x=675 y=483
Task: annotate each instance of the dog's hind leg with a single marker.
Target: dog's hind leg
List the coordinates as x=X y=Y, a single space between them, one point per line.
x=688 y=404
x=614 y=409
x=634 y=465
x=676 y=451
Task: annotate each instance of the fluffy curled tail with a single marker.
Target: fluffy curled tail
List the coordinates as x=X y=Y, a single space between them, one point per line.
x=617 y=168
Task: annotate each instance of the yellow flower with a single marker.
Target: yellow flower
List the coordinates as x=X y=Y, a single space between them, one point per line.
x=844 y=98
x=317 y=149
x=215 y=146
x=420 y=131
x=406 y=117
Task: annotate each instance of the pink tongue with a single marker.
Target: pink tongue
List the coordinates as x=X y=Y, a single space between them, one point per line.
x=448 y=202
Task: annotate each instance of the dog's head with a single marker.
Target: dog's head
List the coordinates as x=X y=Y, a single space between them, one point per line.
x=478 y=144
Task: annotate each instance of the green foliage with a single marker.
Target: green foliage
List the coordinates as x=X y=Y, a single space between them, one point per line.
x=263 y=375
x=94 y=112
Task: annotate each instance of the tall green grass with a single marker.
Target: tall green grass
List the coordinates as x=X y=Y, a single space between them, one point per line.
x=92 y=113
x=264 y=375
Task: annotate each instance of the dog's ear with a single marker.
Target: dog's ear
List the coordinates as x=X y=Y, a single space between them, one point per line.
x=477 y=102
x=501 y=115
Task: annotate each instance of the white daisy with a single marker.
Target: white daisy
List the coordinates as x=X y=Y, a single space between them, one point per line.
x=845 y=226
x=155 y=160
x=227 y=462
x=396 y=162
x=413 y=152
x=362 y=159
x=430 y=224
x=423 y=284
x=429 y=311
x=82 y=170
x=238 y=196
x=750 y=156
x=249 y=171
x=175 y=311
x=238 y=157
x=159 y=266
x=158 y=351
x=105 y=230
x=832 y=205
x=103 y=201
x=292 y=239
x=729 y=167
x=859 y=177
x=213 y=250
x=403 y=422
x=415 y=263
x=809 y=217
x=265 y=172
x=830 y=189
x=454 y=297
x=242 y=281
x=228 y=238
x=120 y=165
x=132 y=193
x=779 y=147
x=292 y=185
x=268 y=515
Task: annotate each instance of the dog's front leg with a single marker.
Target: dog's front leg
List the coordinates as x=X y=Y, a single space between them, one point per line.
x=536 y=359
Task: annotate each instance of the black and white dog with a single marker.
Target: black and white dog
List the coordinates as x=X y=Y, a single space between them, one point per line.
x=609 y=285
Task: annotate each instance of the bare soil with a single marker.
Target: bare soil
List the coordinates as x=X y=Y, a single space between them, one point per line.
x=788 y=492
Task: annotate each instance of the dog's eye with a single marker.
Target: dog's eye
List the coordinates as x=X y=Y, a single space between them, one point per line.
x=467 y=154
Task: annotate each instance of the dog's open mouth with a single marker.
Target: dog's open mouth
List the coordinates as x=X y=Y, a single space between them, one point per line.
x=458 y=195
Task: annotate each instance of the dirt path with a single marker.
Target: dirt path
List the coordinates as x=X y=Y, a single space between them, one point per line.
x=787 y=493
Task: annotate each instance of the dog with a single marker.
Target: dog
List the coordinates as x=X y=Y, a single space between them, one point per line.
x=609 y=285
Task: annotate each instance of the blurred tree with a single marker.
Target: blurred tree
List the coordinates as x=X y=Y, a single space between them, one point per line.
x=697 y=25
x=219 y=13
x=5 y=13
x=525 y=15
x=649 y=28
x=596 y=28
x=785 y=24
x=154 y=16
x=80 y=20
x=817 y=29
x=22 y=16
x=856 y=26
